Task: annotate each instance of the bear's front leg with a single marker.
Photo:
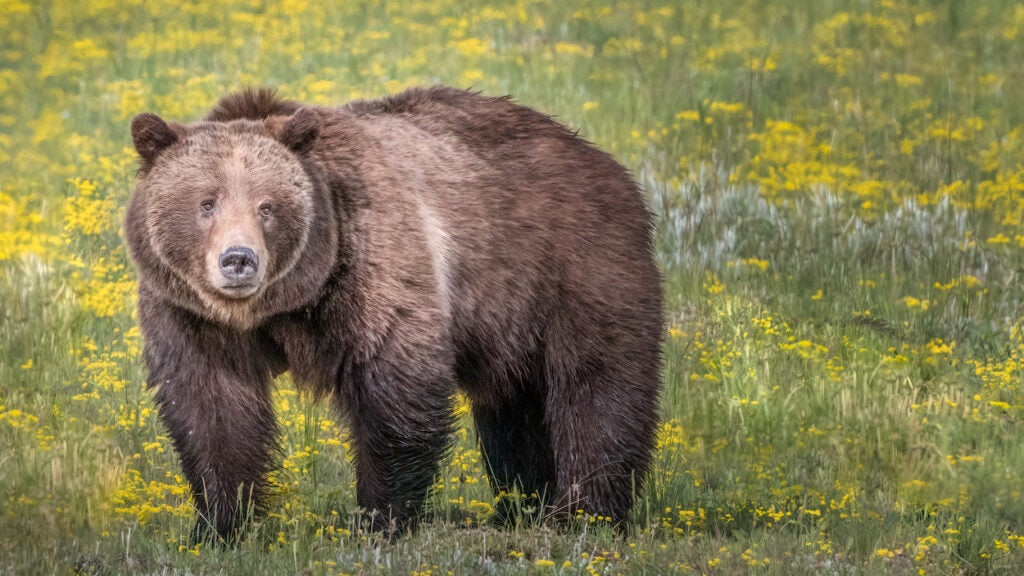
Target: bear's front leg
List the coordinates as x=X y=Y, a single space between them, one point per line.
x=213 y=394
x=401 y=419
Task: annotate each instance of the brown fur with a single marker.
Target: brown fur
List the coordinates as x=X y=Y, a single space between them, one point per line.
x=427 y=241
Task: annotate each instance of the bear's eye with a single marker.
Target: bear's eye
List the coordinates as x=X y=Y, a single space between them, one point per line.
x=207 y=206
x=266 y=209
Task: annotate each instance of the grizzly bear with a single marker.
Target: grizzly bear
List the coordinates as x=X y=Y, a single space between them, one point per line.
x=389 y=253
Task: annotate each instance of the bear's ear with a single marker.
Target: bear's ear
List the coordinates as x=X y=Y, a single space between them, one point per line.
x=300 y=132
x=151 y=135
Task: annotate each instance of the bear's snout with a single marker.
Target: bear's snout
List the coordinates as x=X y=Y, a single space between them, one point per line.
x=239 y=264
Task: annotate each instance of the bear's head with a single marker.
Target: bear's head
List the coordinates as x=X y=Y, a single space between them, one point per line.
x=224 y=214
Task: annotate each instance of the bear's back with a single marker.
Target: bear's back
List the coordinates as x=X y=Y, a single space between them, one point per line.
x=481 y=122
x=532 y=217
x=510 y=173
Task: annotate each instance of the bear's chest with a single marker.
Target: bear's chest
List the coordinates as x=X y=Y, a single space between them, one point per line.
x=311 y=351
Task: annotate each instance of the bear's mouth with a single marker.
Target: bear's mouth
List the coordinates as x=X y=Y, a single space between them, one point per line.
x=238 y=291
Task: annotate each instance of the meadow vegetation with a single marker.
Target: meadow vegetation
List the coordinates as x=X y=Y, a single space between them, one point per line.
x=838 y=187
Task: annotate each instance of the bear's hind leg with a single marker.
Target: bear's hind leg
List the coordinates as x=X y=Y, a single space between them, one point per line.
x=603 y=424
x=517 y=452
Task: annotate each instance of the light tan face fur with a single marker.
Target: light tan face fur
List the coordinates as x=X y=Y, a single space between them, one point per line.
x=227 y=193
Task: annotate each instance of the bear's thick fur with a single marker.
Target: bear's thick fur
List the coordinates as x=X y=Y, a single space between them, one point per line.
x=388 y=253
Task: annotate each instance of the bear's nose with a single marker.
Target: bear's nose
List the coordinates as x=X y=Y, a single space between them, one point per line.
x=239 y=263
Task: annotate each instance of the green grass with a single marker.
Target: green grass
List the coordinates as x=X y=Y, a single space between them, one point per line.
x=839 y=193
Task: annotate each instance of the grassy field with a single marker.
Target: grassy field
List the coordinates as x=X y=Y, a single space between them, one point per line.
x=839 y=192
